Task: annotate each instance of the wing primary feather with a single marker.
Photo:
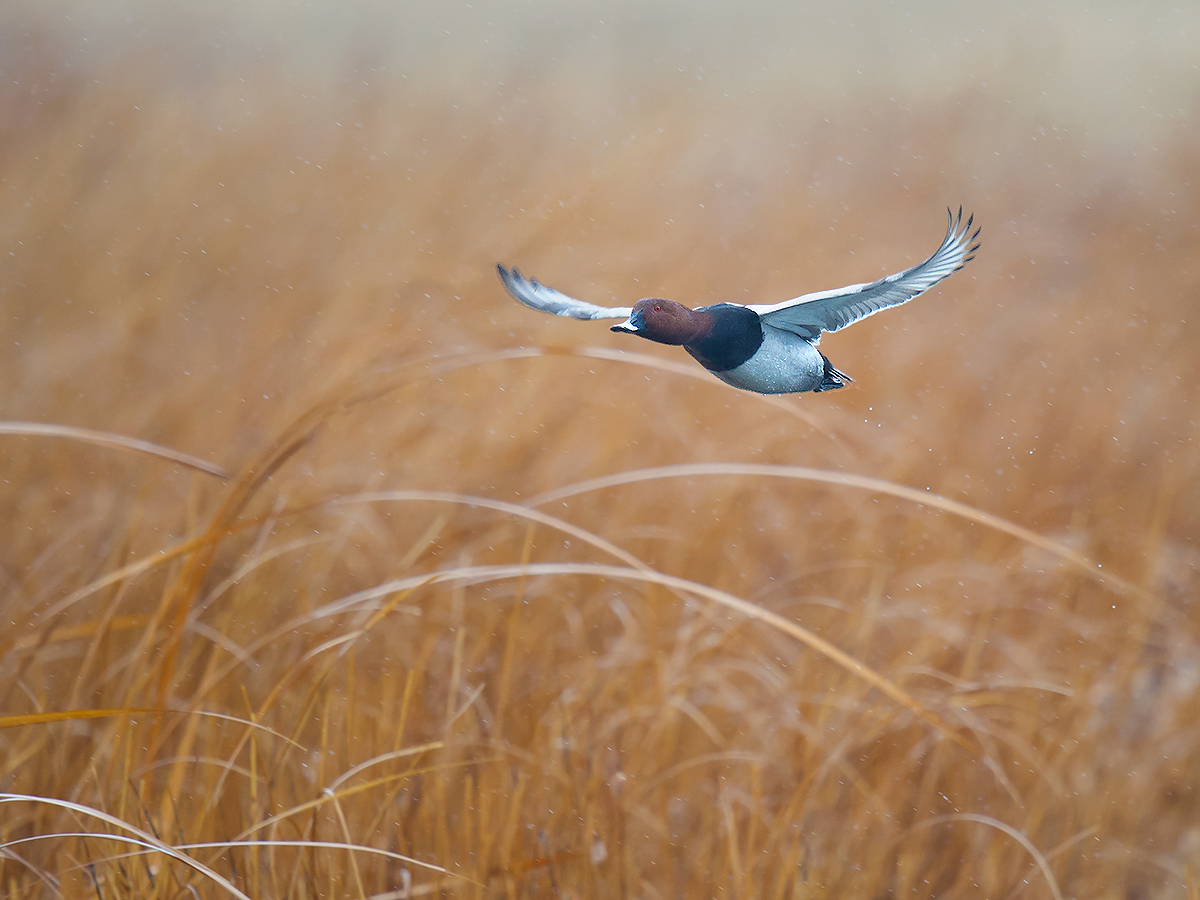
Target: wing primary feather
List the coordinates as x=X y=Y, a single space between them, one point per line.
x=546 y=299
x=810 y=315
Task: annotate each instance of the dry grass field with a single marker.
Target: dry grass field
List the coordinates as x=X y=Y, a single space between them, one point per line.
x=408 y=590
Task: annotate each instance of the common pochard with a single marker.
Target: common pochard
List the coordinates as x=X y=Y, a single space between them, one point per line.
x=761 y=348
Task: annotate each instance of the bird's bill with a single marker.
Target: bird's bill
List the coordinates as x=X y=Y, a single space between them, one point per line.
x=635 y=324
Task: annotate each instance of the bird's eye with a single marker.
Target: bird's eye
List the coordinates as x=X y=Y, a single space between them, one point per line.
x=657 y=308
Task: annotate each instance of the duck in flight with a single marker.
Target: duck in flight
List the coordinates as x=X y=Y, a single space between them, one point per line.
x=766 y=349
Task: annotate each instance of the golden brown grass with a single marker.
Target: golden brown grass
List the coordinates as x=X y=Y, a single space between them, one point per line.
x=330 y=571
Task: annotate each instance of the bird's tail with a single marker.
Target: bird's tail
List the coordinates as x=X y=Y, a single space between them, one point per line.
x=833 y=379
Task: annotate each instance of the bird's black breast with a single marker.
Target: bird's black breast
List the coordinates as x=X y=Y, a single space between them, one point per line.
x=735 y=336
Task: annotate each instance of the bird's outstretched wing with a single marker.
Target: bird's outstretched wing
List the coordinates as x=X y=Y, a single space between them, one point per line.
x=538 y=296
x=812 y=314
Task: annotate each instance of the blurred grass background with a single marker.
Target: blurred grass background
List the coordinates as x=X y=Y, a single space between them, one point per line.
x=265 y=235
